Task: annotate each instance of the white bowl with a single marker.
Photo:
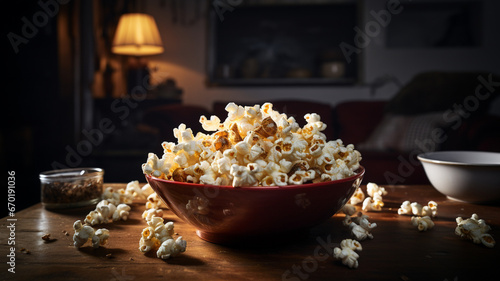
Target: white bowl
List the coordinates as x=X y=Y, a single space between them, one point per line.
x=469 y=176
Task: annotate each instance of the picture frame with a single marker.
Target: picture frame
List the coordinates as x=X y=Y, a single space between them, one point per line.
x=282 y=44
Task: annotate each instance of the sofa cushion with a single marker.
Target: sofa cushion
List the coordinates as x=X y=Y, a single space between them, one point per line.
x=401 y=133
x=440 y=91
x=356 y=120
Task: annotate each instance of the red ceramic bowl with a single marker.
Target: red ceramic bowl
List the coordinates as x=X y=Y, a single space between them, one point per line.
x=224 y=214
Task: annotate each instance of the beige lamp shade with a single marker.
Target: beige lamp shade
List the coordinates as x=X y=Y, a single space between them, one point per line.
x=137 y=35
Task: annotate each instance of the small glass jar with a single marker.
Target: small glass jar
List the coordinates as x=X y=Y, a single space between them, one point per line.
x=69 y=188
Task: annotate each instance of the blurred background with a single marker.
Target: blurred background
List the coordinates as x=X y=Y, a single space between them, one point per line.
x=78 y=94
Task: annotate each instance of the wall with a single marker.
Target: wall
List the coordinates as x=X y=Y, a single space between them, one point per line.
x=184 y=60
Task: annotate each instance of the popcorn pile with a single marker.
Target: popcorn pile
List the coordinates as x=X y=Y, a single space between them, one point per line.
x=84 y=233
x=158 y=237
x=254 y=146
x=374 y=201
x=113 y=206
x=423 y=215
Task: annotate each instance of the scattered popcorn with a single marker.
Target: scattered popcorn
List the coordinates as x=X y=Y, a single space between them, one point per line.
x=375 y=191
x=171 y=248
x=158 y=236
x=369 y=204
x=405 y=208
x=422 y=223
x=253 y=146
x=121 y=213
x=347 y=253
x=357 y=197
x=150 y=213
x=137 y=191
x=106 y=211
x=360 y=226
x=416 y=209
x=84 y=233
x=100 y=237
x=117 y=197
x=474 y=229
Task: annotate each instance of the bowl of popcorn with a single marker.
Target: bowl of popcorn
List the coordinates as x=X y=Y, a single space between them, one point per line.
x=469 y=176
x=257 y=173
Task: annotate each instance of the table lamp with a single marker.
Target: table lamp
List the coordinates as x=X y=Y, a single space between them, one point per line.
x=137 y=36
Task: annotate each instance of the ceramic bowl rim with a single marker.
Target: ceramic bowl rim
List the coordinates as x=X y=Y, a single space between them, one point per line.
x=360 y=173
x=427 y=158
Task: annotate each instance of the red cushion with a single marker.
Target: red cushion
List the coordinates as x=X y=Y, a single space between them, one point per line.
x=357 y=119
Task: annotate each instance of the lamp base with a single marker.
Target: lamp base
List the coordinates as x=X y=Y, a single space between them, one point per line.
x=138 y=76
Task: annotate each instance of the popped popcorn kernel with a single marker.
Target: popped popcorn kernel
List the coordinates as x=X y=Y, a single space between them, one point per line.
x=422 y=223
x=253 y=137
x=475 y=230
x=347 y=253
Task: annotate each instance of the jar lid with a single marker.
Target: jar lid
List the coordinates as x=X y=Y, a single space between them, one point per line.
x=74 y=173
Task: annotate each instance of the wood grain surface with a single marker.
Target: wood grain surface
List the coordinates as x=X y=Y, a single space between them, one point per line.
x=398 y=250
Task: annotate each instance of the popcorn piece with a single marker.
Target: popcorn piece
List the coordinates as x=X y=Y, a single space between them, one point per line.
x=360 y=226
x=300 y=177
x=275 y=176
x=347 y=253
x=83 y=233
x=475 y=229
x=422 y=223
x=170 y=248
x=405 y=208
x=94 y=217
x=150 y=213
x=147 y=190
x=210 y=125
x=430 y=209
x=371 y=205
x=100 y=237
x=116 y=197
x=106 y=210
x=242 y=176
x=375 y=191
x=148 y=240
x=267 y=128
x=154 y=202
x=357 y=197
x=121 y=213
x=137 y=191
x=155 y=167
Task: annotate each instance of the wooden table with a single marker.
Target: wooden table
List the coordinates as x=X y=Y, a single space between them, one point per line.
x=397 y=252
